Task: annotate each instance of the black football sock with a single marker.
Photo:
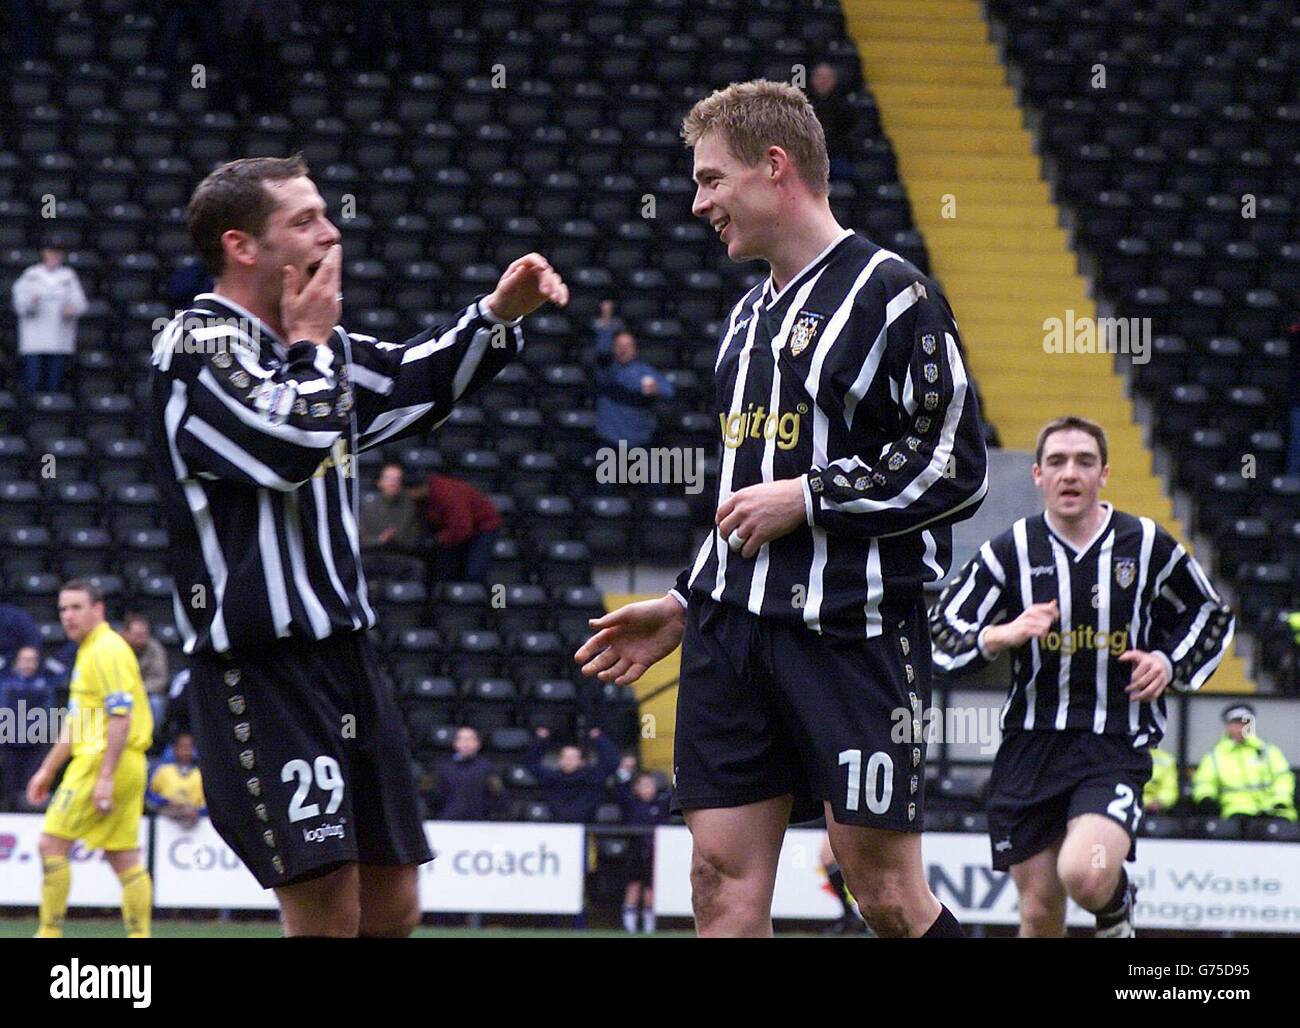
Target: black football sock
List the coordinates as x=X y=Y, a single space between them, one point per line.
x=1116 y=909
x=945 y=926
x=836 y=878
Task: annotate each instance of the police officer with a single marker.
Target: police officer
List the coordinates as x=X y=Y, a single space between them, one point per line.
x=1243 y=776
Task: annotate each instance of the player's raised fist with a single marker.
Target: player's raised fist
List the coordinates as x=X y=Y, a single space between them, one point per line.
x=524 y=286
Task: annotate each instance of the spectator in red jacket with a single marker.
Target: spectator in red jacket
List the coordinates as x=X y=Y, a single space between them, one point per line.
x=465 y=524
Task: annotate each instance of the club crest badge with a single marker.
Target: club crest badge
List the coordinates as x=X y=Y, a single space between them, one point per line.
x=1125 y=572
x=804 y=332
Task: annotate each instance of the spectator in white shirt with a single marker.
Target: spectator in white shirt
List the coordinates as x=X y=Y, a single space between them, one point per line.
x=48 y=300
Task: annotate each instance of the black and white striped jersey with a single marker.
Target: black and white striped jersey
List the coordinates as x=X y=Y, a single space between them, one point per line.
x=850 y=378
x=1132 y=587
x=254 y=445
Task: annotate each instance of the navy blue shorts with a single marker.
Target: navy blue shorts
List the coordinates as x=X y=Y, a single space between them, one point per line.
x=767 y=708
x=1041 y=779
x=305 y=759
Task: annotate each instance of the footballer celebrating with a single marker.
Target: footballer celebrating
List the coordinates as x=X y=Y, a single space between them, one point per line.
x=851 y=442
x=1102 y=612
x=99 y=801
x=262 y=402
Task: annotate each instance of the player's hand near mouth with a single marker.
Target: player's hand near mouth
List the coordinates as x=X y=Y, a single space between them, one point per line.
x=310 y=303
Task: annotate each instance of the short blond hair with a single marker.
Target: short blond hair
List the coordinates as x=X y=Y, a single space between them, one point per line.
x=751 y=116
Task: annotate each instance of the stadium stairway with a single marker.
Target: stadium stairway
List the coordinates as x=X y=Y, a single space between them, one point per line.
x=994 y=238
x=656 y=695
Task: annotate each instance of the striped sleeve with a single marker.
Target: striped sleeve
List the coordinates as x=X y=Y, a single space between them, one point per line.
x=975 y=599
x=227 y=417
x=403 y=388
x=1191 y=626
x=933 y=470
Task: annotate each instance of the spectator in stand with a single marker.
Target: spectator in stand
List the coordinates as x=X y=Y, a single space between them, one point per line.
x=185 y=283
x=17 y=629
x=833 y=111
x=388 y=28
x=1293 y=443
x=254 y=30
x=1161 y=791
x=626 y=388
x=23 y=688
x=21 y=31
x=176 y=714
x=152 y=658
x=391 y=529
x=575 y=787
x=176 y=786
x=48 y=300
x=643 y=805
x=466 y=785
x=1243 y=776
x=465 y=523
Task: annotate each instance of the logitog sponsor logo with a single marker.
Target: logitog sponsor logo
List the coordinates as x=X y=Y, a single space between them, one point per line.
x=323 y=832
x=1085 y=637
x=760 y=423
x=75 y=980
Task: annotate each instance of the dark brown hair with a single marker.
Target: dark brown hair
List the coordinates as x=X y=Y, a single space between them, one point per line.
x=1064 y=424
x=233 y=196
x=82 y=585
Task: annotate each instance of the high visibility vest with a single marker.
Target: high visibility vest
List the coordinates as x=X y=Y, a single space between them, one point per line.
x=1249 y=777
x=1163 y=786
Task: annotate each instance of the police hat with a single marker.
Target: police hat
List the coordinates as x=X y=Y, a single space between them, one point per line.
x=1238 y=712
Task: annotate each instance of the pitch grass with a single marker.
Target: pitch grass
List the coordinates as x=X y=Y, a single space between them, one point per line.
x=111 y=928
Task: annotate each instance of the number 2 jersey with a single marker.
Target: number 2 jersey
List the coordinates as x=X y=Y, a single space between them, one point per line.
x=1132 y=587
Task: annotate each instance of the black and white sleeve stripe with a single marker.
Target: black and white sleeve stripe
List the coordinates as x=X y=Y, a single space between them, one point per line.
x=973 y=601
x=934 y=469
x=230 y=418
x=1191 y=626
x=403 y=388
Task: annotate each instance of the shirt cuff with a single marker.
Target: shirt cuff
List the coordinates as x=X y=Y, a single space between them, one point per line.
x=323 y=359
x=678 y=597
x=979 y=643
x=807 y=500
x=485 y=312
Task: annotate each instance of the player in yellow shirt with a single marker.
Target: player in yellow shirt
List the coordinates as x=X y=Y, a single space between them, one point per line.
x=108 y=729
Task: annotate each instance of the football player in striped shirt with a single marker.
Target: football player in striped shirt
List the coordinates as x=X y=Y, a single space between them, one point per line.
x=851 y=442
x=1102 y=612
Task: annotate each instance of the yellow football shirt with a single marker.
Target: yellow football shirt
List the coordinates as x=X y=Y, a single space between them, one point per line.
x=105 y=683
x=173 y=785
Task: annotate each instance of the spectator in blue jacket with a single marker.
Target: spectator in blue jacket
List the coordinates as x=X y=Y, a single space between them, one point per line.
x=574 y=788
x=466 y=786
x=645 y=805
x=626 y=388
x=23 y=688
x=17 y=629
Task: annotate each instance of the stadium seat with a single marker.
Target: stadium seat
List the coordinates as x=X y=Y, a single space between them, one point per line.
x=489 y=703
